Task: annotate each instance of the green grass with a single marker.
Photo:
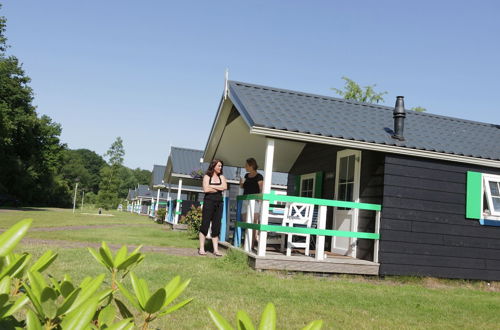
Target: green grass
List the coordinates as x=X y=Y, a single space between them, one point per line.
x=149 y=234
x=228 y=284
x=52 y=217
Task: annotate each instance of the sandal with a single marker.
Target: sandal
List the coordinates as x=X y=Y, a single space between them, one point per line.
x=218 y=254
x=201 y=254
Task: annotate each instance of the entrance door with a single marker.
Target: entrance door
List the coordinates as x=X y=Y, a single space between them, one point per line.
x=346 y=189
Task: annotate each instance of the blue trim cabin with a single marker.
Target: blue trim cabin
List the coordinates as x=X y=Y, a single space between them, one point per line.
x=181 y=166
x=392 y=192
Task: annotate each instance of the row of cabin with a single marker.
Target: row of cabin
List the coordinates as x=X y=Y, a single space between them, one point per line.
x=433 y=181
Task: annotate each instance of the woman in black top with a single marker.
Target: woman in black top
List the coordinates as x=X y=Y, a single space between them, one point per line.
x=252 y=184
x=214 y=183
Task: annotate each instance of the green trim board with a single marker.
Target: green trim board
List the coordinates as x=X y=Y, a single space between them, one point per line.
x=307 y=200
x=311 y=231
x=474 y=195
x=318 y=185
x=178 y=212
x=179 y=201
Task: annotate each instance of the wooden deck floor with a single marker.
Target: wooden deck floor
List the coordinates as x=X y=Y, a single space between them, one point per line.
x=275 y=260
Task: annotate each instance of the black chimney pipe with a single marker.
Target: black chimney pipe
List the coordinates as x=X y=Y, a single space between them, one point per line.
x=399 y=115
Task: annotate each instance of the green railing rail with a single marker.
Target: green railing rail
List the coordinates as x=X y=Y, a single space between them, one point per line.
x=308 y=200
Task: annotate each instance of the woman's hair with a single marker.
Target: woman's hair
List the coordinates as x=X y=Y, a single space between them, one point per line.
x=252 y=163
x=211 y=168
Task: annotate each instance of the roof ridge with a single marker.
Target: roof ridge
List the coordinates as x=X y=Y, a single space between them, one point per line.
x=189 y=149
x=381 y=107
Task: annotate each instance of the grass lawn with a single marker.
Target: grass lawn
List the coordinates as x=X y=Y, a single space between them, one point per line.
x=228 y=284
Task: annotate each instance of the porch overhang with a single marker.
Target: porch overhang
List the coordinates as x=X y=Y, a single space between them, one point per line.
x=233 y=141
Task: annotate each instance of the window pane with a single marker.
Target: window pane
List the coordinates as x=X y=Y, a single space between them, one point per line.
x=342 y=192
x=343 y=170
x=496 y=204
x=349 y=192
x=494 y=188
x=350 y=171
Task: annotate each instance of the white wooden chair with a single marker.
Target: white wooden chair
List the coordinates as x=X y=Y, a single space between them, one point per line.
x=297 y=215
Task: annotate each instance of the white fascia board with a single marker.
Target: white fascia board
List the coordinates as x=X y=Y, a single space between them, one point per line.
x=271 y=132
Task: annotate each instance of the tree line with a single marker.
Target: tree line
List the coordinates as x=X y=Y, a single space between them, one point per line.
x=36 y=168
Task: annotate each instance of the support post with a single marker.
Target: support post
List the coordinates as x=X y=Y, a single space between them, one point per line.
x=157 y=202
x=178 y=203
x=320 y=239
x=377 y=241
x=266 y=189
x=248 y=231
x=139 y=209
x=74 y=198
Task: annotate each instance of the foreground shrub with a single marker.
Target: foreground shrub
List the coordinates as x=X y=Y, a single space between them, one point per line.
x=193 y=220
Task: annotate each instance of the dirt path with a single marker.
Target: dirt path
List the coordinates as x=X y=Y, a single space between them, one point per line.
x=183 y=252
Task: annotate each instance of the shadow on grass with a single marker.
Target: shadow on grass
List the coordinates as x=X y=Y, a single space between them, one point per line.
x=22 y=209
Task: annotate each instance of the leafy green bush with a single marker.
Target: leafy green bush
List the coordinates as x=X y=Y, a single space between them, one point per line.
x=160 y=215
x=193 y=220
x=63 y=304
x=267 y=320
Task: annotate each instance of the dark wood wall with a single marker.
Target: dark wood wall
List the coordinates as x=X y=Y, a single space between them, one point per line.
x=423 y=228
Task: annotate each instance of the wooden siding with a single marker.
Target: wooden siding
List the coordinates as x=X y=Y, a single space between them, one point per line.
x=423 y=228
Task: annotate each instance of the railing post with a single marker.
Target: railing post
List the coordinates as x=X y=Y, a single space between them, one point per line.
x=248 y=231
x=264 y=212
x=237 y=230
x=178 y=204
x=377 y=241
x=320 y=239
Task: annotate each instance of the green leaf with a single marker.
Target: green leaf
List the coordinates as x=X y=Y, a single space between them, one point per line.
x=106 y=254
x=243 y=321
x=80 y=318
x=55 y=283
x=88 y=290
x=32 y=322
x=5 y=285
x=268 y=318
x=140 y=290
x=4 y=298
x=10 y=238
x=124 y=311
x=176 y=292
x=68 y=302
x=155 y=302
x=16 y=266
x=48 y=301
x=120 y=256
x=35 y=301
x=130 y=297
x=122 y=325
x=129 y=261
x=220 y=322
x=174 y=283
x=66 y=288
x=176 y=307
x=106 y=315
x=136 y=250
x=44 y=261
x=18 y=304
x=97 y=257
x=314 y=325
x=37 y=283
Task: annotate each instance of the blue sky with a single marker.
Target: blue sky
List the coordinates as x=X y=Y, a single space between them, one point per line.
x=152 y=72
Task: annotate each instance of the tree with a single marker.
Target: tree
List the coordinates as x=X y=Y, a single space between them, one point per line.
x=108 y=196
x=30 y=148
x=352 y=91
x=419 y=109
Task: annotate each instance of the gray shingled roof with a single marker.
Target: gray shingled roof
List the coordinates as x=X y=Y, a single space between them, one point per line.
x=184 y=161
x=157 y=175
x=332 y=117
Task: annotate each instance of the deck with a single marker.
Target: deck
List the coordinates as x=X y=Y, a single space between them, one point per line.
x=333 y=264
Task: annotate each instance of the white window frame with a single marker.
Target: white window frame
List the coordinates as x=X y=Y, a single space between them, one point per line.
x=308 y=177
x=494 y=215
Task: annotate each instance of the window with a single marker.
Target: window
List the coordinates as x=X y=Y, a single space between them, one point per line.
x=483 y=198
x=307 y=183
x=491 y=185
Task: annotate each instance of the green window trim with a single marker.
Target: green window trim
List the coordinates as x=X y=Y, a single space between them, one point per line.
x=474 y=195
x=318 y=184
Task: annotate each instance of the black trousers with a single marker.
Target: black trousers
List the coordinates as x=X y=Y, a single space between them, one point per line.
x=212 y=213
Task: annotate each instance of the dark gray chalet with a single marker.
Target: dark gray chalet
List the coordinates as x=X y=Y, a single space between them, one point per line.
x=436 y=178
